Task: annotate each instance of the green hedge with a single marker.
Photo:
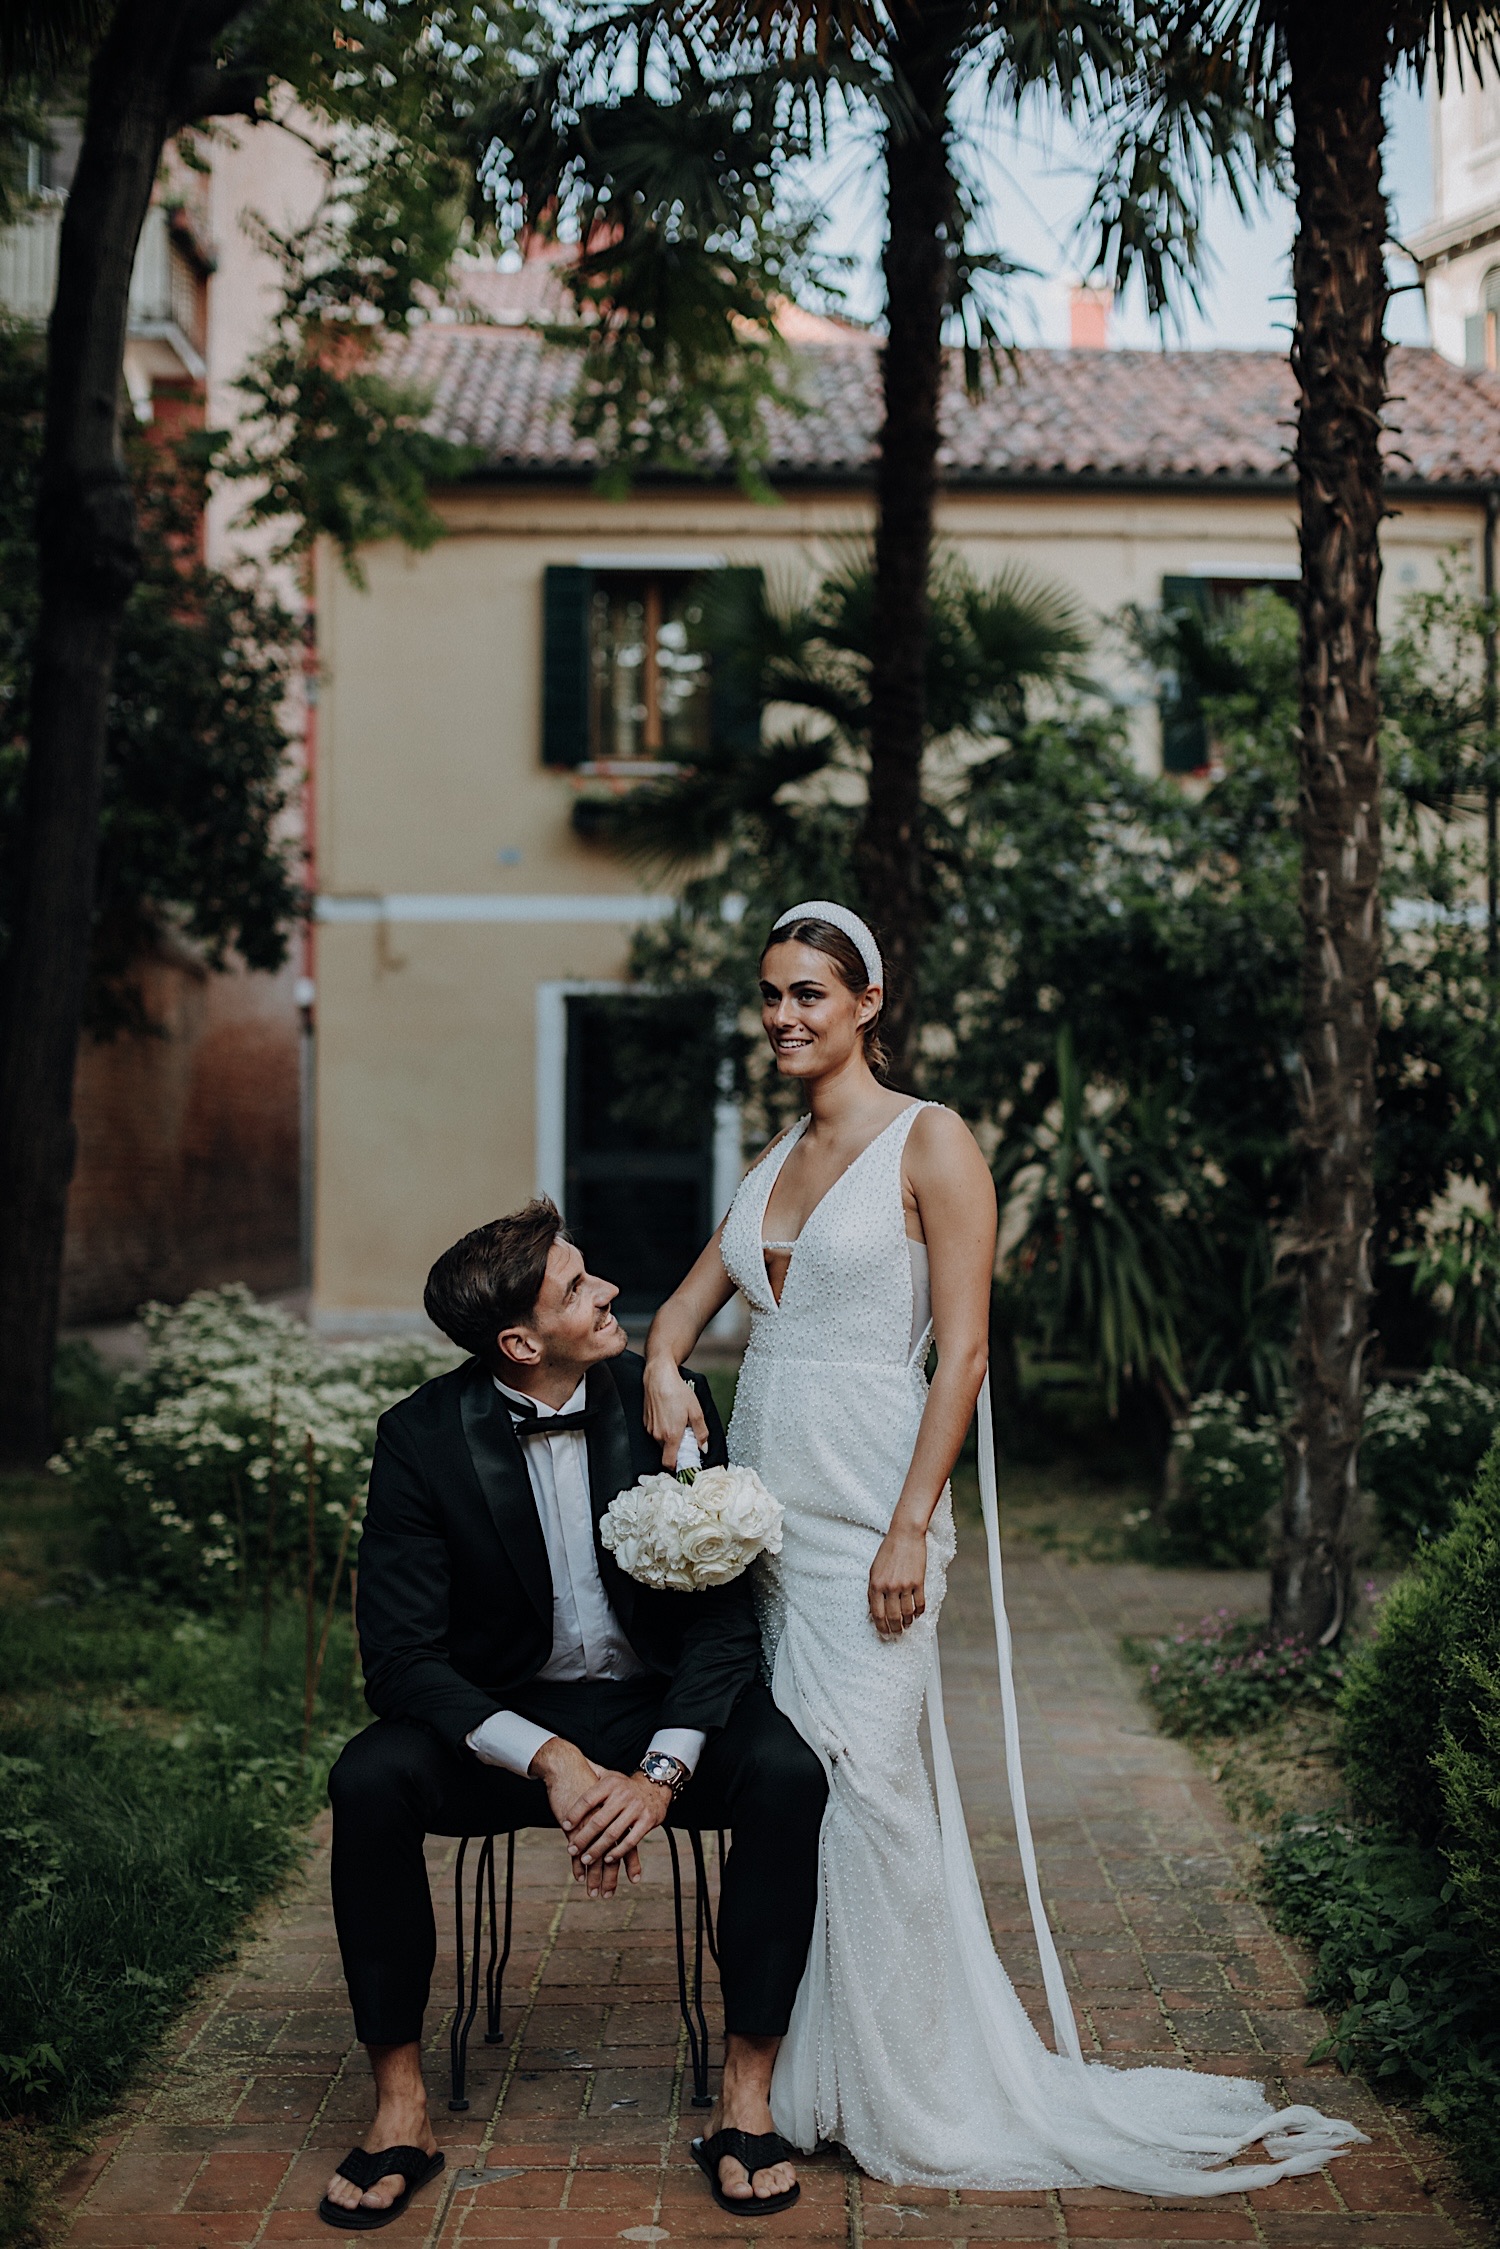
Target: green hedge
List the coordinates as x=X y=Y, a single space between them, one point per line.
x=1406 y=1969
x=1404 y=1912
x=1421 y=1705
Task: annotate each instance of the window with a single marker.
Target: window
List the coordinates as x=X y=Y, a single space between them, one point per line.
x=1185 y=746
x=648 y=687
x=622 y=684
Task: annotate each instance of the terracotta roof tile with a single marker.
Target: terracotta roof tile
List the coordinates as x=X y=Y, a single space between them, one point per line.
x=1108 y=415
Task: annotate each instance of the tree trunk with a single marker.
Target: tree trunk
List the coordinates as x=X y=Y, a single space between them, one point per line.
x=921 y=208
x=88 y=560
x=1338 y=57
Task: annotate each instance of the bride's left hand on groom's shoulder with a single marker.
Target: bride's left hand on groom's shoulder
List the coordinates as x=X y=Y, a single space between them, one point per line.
x=671 y=1407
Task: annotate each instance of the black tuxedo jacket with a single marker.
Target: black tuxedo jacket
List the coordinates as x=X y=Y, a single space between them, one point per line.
x=455 y=1590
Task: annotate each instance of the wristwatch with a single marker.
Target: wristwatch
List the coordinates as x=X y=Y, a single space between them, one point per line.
x=667 y=1772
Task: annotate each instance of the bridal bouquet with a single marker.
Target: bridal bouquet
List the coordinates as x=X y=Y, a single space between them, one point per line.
x=698 y=1528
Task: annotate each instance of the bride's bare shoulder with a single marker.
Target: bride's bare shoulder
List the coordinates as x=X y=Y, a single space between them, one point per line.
x=941 y=1143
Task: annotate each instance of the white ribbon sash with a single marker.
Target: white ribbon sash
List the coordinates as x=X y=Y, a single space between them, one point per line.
x=1064 y=2029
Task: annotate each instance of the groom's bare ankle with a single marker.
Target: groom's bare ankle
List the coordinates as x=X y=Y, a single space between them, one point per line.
x=748 y=2066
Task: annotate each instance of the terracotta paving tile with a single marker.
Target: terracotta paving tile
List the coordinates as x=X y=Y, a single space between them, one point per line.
x=1145 y=2223
x=232 y=2135
x=237 y=2181
x=154 y=2179
x=962 y=2225
x=197 y=2229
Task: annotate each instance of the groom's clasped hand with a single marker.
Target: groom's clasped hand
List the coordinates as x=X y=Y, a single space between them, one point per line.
x=605 y=1816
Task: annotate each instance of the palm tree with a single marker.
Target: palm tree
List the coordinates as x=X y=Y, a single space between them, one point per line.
x=1326 y=69
x=674 y=233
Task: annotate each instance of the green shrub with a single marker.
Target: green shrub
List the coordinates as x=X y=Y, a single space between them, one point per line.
x=1405 y=1965
x=1225 y=1480
x=1226 y=1678
x=1468 y=1749
x=1421 y=1708
x=83 y=1390
x=198 y=1489
x=1390 y=1710
x=1421 y=1450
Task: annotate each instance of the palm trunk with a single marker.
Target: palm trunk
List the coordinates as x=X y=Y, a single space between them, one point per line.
x=1338 y=60
x=152 y=63
x=921 y=208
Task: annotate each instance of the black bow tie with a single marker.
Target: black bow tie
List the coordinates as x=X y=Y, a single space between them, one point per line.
x=528 y=1422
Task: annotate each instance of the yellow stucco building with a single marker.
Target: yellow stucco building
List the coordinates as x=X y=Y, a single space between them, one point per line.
x=471 y=1047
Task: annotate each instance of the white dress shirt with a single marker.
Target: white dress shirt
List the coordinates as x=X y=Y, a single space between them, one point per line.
x=587 y=1642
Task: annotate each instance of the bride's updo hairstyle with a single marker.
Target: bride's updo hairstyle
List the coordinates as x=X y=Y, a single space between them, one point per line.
x=852 y=972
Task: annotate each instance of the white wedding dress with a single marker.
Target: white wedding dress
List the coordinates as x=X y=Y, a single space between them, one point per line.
x=908 y=2044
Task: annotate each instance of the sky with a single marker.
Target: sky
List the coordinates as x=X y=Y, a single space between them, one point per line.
x=1036 y=174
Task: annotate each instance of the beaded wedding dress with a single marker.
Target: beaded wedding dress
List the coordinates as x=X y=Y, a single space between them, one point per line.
x=908 y=2044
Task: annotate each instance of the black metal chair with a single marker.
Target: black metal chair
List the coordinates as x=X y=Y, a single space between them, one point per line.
x=689 y=1994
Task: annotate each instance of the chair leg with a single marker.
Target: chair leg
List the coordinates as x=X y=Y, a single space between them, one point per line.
x=457 y=2054
x=709 y=1929
x=463 y=2019
x=495 y=1978
x=694 y=2021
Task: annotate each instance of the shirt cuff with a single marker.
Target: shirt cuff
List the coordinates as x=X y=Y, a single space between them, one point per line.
x=511 y=1741
x=681 y=1742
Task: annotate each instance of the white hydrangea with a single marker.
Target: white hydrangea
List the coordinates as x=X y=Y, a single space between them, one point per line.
x=686 y=1533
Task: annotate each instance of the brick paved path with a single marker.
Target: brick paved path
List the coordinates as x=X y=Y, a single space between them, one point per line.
x=580 y=2121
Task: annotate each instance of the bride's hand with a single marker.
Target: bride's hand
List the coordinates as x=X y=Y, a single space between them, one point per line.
x=898 y=1577
x=671 y=1406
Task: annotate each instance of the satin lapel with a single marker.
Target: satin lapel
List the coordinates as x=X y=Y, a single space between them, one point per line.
x=612 y=1469
x=500 y=1466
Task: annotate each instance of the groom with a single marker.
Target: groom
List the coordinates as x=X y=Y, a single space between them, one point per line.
x=520 y=1678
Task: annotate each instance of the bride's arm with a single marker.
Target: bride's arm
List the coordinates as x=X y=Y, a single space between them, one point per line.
x=956 y=1198
x=670 y=1404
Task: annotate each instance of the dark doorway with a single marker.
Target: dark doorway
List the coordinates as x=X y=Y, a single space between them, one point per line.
x=640 y=1129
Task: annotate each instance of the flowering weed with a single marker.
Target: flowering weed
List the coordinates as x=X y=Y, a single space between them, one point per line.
x=1225 y=1677
x=198 y=1490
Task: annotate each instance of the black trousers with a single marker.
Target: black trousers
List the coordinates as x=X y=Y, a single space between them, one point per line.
x=397 y=1782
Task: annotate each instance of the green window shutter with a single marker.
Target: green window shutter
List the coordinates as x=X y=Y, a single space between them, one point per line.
x=734 y=687
x=567 y=596
x=1184 y=737
x=1474 y=339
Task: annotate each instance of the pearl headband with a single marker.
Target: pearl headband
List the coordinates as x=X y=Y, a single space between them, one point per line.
x=859 y=935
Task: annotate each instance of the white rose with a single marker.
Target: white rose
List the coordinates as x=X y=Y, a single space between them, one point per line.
x=688 y=1536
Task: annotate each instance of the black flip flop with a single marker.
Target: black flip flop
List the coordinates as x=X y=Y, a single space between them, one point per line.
x=757 y=2151
x=362 y=2170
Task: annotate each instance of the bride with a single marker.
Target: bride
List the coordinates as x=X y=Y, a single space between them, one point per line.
x=861 y=1234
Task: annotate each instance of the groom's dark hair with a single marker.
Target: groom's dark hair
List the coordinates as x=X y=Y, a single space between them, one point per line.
x=492 y=1278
